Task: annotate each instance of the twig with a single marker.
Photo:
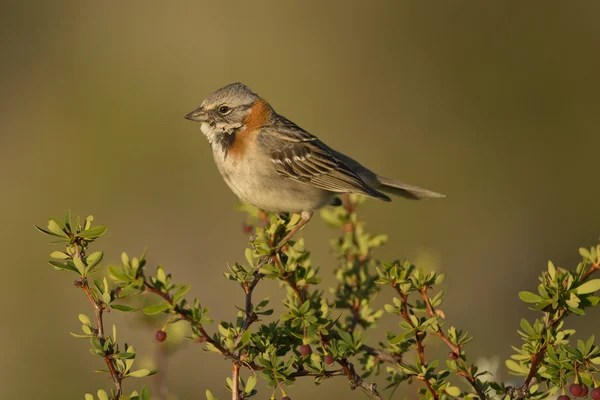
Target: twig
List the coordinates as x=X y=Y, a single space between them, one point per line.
x=98 y=308
x=287 y=279
x=98 y=311
x=251 y=317
x=455 y=349
x=235 y=389
x=357 y=381
x=418 y=339
x=539 y=356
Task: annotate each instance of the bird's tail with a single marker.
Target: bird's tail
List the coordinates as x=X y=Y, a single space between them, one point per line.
x=408 y=191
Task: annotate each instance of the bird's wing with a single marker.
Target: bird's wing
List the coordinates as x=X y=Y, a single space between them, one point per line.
x=300 y=156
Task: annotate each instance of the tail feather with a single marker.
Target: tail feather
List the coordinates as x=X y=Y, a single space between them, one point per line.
x=408 y=191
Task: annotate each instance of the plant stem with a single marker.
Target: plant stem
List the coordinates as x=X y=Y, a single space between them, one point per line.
x=418 y=339
x=98 y=311
x=455 y=349
x=539 y=356
x=235 y=390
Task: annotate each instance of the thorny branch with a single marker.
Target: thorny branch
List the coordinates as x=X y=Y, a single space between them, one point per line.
x=99 y=307
x=455 y=349
x=539 y=356
x=354 y=379
x=419 y=340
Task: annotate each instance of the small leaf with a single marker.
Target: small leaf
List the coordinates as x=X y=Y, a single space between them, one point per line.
x=250 y=384
x=120 y=307
x=209 y=396
x=589 y=287
x=585 y=253
x=529 y=297
x=140 y=373
x=145 y=393
x=81 y=267
x=89 y=396
x=180 y=293
x=60 y=266
x=56 y=229
x=59 y=255
x=157 y=309
x=93 y=233
x=102 y=395
x=453 y=391
x=84 y=319
x=551 y=270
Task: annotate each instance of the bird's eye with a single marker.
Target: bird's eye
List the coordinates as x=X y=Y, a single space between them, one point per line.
x=224 y=109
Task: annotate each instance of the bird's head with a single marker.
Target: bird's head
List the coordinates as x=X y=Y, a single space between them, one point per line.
x=230 y=109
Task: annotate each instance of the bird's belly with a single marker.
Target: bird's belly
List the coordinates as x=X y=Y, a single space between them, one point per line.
x=267 y=190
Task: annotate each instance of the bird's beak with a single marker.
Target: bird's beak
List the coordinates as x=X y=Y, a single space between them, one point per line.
x=198 y=115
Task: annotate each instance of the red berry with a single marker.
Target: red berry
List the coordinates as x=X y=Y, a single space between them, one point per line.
x=286 y=398
x=584 y=392
x=576 y=389
x=328 y=359
x=247 y=228
x=305 y=350
x=453 y=355
x=161 y=336
x=596 y=393
x=563 y=397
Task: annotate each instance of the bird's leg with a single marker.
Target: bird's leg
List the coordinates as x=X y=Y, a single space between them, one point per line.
x=305 y=216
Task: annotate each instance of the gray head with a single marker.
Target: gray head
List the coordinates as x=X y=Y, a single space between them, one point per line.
x=225 y=110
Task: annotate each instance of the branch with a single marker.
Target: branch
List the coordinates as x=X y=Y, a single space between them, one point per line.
x=235 y=387
x=98 y=311
x=251 y=317
x=419 y=340
x=455 y=349
x=539 y=356
x=357 y=381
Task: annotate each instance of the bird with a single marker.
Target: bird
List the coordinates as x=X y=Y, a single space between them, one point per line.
x=270 y=162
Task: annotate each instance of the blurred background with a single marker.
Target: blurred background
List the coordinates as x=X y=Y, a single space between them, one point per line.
x=494 y=103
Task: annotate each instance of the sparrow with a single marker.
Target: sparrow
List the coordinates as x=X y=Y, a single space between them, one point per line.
x=272 y=163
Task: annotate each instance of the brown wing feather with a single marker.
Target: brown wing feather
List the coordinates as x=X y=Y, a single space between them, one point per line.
x=300 y=156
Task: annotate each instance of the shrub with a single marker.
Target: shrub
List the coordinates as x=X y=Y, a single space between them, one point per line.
x=308 y=340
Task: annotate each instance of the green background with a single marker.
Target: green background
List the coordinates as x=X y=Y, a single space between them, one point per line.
x=494 y=103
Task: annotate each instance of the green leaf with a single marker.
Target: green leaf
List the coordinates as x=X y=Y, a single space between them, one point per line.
x=125 y=355
x=250 y=384
x=516 y=368
x=589 y=287
x=89 y=396
x=120 y=307
x=551 y=270
x=60 y=266
x=59 y=255
x=390 y=308
x=209 y=396
x=157 y=308
x=93 y=233
x=304 y=307
x=80 y=265
x=585 y=253
x=145 y=393
x=140 y=373
x=102 y=395
x=84 y=319
x=55 y=228
x=244 y=339
x=180 y=293
x=453 y=391
x=93 y=259
x=529 y=297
